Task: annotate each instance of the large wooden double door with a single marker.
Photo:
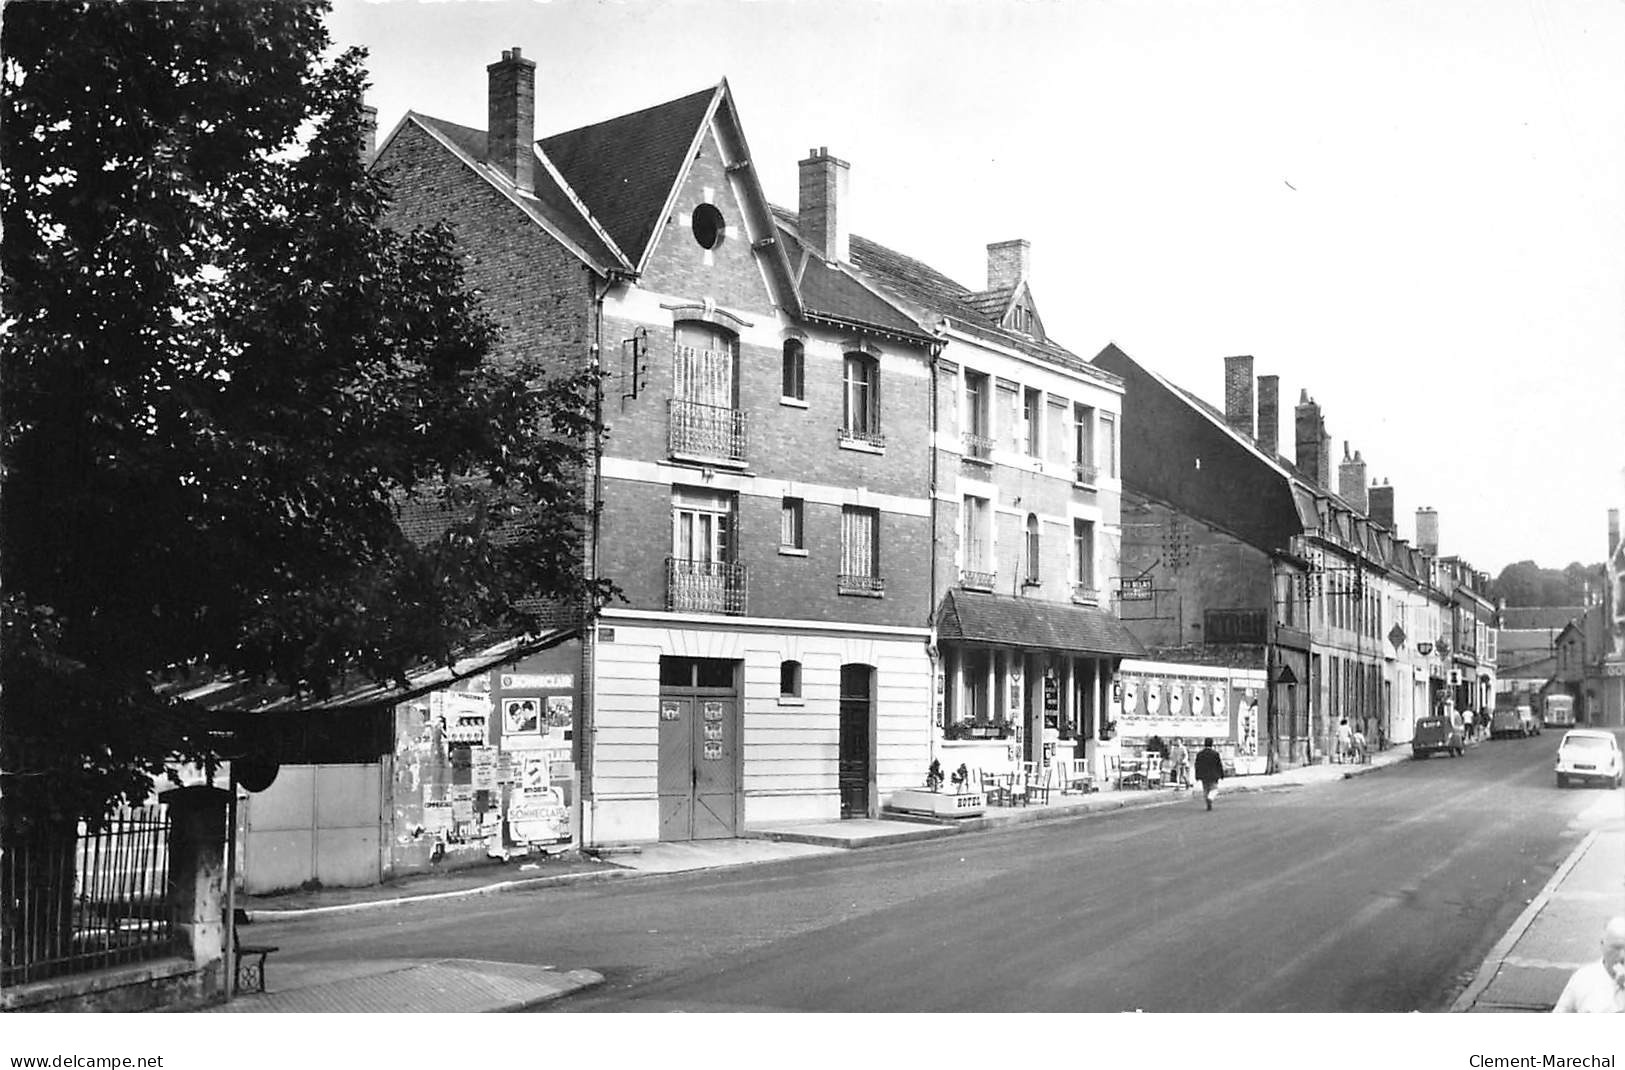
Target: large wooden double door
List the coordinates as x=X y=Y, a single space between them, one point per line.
x=699 y=766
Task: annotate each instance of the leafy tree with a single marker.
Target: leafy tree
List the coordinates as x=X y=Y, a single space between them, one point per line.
x=225 y=382
x=1524 y=583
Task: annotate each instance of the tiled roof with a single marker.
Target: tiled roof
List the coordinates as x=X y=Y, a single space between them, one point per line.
x=992 y=618
x=992 y=303
x=828 y=291
x=624 y=168
x=552 y=204
x=920 y=284
x=1517 y=617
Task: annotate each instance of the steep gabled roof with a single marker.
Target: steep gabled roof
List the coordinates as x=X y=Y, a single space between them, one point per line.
x=930 y=295
x=992 y=304
x=829 y=293
x=624 y=168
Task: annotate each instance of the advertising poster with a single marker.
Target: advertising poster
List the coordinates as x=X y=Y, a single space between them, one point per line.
x=535 y=780
x=521 y=716
x=539 y=819
x=484 y=768
x=559 y=711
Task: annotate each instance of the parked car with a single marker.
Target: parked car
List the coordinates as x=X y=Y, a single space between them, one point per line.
x=1587 y=754
x=1436 y=735
x=1509 y=721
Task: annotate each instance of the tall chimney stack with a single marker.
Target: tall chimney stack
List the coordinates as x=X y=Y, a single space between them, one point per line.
x=1613 y=531
x=1238 y=394
x=1307 y=440
x=1325 y=476
x=369 y=133
x=1382 y=505
x=1008 y=263
x=1427 y=530
x=511 y=118
x=1351 y=479
x=1269 y=414
x=822 y=205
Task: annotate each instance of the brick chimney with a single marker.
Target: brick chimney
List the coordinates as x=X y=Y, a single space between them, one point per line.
x=1427 y=530
x=1351 y=479
x=1008 y=263
x=1325 y=476
x=1381 y=507
x=511 y=118
x=1269 y=414
x=822 y=205
x=1307 y=440
x=368 y=144
x=1238 y=394
x=1613 y=531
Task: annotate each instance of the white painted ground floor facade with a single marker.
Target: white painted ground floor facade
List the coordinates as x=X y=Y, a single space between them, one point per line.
x=701 y=727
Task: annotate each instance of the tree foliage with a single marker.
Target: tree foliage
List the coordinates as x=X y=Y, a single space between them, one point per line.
x=1524 y=583
x=224 y=381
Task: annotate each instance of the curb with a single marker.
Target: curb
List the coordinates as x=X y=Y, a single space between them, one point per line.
x=498 y=888
x=580 y=979
x=973 y=824
x=1503 y=947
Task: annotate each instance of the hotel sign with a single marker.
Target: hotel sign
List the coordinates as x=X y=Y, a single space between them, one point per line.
x=1138 y=590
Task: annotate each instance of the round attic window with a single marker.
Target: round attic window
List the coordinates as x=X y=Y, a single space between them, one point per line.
x=709 y=226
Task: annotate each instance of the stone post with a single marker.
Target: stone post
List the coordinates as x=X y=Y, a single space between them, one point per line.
x=197 y=877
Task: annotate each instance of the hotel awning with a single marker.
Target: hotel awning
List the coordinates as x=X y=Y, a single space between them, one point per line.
x=969 y=616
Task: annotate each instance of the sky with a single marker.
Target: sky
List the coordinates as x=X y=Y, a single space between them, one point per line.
x=1412 y=209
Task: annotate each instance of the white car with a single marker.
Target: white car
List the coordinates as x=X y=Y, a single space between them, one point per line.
x=1586 y=754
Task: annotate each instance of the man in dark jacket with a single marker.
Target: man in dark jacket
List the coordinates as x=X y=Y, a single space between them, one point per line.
x=1209 y=770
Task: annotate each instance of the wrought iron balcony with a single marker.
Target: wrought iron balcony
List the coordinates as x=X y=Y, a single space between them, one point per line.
x=978 y=447
x=705 y=586
x=851 y=435
x=976 y=581
x=1089 y=596
x=847 y=583
x=1085 y=474
x=707 y=431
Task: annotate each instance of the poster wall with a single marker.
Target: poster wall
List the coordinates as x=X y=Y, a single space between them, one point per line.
x=1192 y=703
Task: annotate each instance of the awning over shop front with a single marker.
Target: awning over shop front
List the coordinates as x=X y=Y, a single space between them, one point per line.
x=238 y=695
x=969 y=616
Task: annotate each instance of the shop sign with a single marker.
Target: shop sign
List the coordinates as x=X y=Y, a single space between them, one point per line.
x=1234 y=626
x=485 y=768
x=537 y=681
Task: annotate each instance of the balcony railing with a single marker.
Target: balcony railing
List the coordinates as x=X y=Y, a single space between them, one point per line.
x=1087 y=595
x=975 y=580
x=978 y=447
x=850 y=435
x=849 y=583
x=1085 y=473
x=707 y=431
x=705 y=586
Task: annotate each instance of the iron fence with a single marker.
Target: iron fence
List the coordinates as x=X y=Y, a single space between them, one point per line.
x=978 y=447
x=87 y=897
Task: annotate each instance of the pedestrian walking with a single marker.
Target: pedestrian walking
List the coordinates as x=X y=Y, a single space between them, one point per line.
x=1179 y=759
x=1345 y=740
x=1599 y=986
x=1209 y=770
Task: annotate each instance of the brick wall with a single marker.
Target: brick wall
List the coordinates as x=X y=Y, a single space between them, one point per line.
x=1216 y=571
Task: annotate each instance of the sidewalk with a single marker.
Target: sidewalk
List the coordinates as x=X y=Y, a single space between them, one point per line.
x=468 y=985
x=1559 y=930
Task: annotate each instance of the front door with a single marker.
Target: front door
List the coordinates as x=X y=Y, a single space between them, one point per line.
x=698 y=772
x=853 y=774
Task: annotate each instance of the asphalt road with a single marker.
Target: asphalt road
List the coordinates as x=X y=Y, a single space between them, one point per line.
x=1380 y=893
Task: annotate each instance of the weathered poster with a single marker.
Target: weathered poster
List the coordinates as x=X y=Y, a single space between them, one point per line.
x=484 y=761
x=539 y=819
x=521 y=716
x=535 y=780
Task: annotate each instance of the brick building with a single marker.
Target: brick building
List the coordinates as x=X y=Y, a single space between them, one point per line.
x=1234 y=556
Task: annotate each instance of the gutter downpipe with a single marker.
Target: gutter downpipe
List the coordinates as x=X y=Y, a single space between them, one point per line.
x=586 y=736
x=932 y=650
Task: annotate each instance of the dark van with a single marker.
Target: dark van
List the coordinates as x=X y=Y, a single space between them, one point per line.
x=1436 y=735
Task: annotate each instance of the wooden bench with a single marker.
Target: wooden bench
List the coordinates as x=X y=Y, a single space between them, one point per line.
x=248 y=960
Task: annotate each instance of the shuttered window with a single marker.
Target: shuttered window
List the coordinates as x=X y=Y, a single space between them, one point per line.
x=860 y=543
